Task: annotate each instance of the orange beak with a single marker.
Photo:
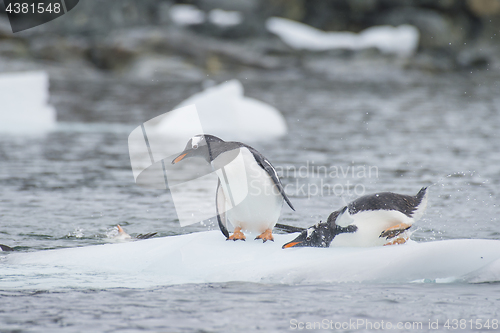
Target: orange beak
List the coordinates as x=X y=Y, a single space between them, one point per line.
x=292 y=244
x=179 y=158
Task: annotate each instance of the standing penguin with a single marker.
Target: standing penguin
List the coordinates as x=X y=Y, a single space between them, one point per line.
x=249 y=193
x=371 y=220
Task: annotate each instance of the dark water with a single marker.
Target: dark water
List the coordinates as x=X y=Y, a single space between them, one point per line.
x=245 y=307
x=71 y=186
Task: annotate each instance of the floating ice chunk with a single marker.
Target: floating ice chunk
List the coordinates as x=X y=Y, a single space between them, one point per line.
x=186 y=15
x=401 y=40
x=224 y=18
x=24 y=103
x=206 y=257
x=224 y=111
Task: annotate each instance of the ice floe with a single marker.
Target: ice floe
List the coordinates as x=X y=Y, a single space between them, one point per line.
x=24 y=103
x=206 y=257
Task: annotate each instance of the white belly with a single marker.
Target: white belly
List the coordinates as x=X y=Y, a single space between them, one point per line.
x=370 y=225
x=253 y=201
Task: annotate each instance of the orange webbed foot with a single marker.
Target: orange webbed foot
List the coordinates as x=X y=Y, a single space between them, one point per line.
x=396 y=241
x=237 y=235
x=266 y=235
x=395 y=230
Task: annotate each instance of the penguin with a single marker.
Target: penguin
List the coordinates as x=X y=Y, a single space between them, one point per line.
x=371 y=220
x=249 y=192
x=122 y=235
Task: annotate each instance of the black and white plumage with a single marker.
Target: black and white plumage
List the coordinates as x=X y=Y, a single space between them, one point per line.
x=122 y=235
x=371 y=220
x=249 y=192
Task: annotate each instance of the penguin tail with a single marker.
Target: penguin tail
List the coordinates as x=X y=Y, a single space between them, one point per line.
x=422 y=193
x=421 y=203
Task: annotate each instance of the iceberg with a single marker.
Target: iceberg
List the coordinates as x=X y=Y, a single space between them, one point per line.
x=206 y=257
x=224 y=111
x=24 y=107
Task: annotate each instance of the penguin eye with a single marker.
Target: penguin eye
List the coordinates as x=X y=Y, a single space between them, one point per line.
x=195 y=146
x=308 y=238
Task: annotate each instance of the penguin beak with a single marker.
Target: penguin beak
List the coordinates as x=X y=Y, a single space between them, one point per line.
x=291 y=244
x=179 y=158
x=299 y=241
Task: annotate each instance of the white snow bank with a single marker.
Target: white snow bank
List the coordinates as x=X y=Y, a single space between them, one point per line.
x=183 y=14
x=206 y=257
x=224 y=111
x=225 y=18
x=24 y=102
x=401 y=40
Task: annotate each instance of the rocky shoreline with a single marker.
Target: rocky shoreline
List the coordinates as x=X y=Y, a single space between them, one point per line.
x=141 y=41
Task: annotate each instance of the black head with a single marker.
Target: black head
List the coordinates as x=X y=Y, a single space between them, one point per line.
x=203 y=146
x=319 y=235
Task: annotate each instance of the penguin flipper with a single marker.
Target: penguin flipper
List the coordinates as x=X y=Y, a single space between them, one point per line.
x=288 y=228
x=342 y=217
x=266 y=165
x=220 y=203
x=146 y=236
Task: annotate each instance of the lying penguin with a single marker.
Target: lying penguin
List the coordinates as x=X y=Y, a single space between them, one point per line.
x=246 y=174
x=371 y=220
x=122 y=235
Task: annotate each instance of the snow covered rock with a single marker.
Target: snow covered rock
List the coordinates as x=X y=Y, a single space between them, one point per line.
x=402 y=40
